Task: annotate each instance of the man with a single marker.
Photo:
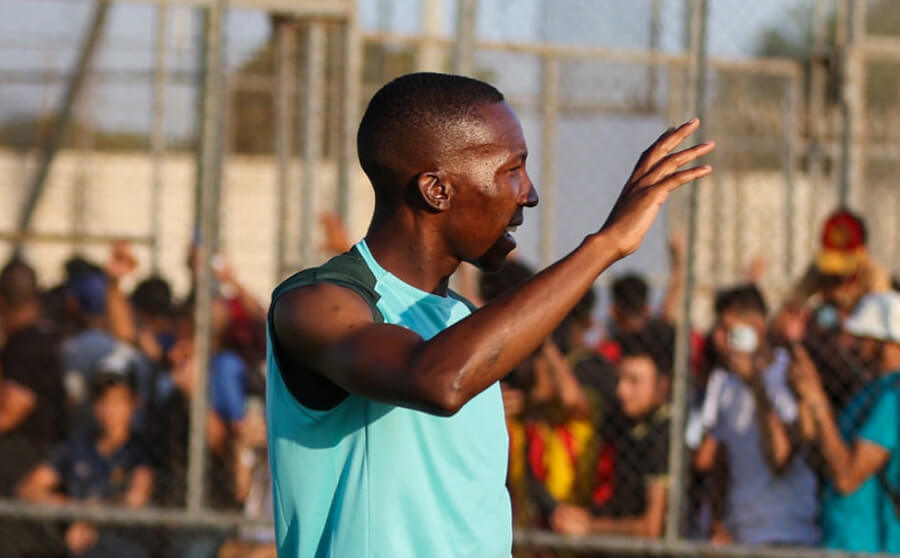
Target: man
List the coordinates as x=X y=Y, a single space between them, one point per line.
x=750 y=413
x=32 y=400
x=842 y=273
x=637 y=506
x=861 y=445
x=386 y=430
x=102 y=464
x=88 y=289
x=31 y=389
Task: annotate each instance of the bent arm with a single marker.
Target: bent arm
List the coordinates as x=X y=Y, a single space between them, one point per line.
x=16 y=404
x=41 y=486
x=649 y=524
x=331 y=330
x=849 y=466
x=775 y=438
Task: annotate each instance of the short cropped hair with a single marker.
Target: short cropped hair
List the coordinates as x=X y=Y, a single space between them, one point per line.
x=410 y=110
x=629 y=294
x=18 y=283
x=743 y=298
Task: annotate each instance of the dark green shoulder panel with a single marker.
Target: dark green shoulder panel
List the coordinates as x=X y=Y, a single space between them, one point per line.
x=461 y=298
x=348 y=270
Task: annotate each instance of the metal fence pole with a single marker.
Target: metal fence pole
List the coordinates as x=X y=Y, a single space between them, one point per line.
x=816 y=118
x=158 y=137
x=350 y=84
x=312 y=97
x=791 y=96
x=683 y=349
x=549 y=117
x=853 y=103
x=211 y=128
x=284 y=94
x=429 y=56
x=464 y=46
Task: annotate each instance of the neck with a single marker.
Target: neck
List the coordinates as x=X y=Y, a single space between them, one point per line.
x=416 y=254
x=112 y=440
x=890 y=359
x=24 y=316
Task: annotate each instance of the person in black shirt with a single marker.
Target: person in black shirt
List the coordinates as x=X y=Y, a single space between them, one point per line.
x=638 y=503
x=31 y=391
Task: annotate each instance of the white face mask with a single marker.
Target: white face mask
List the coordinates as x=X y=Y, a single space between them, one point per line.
x=743 y=338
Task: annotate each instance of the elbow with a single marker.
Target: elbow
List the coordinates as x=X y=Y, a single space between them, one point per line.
x=653 y=529
x=446 y=403
x=845 y=486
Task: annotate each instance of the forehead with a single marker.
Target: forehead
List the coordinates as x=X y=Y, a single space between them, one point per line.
x=639 y=365
x=497 y=129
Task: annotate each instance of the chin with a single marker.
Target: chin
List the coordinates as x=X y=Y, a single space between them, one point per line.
x=492 y=260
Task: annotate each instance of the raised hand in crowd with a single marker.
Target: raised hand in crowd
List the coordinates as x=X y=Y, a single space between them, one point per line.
x=336 y=240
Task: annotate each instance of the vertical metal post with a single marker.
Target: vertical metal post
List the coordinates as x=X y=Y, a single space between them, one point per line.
x=549 y=117
x=791 y=94
x=284 y=95
x=853 y=104
x=312 y=99
x=158 y=135
x=428 y=57
x=350 y=99
x=464 y=46
x=211 y=127
x=683 y=349
x=816 y=119
x=653 y=69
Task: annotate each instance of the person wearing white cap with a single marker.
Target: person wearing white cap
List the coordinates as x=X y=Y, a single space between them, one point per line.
x=861 y=446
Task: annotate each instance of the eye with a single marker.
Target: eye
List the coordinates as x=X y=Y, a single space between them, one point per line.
x=514 y=169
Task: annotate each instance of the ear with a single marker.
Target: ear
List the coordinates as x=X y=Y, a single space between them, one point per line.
x=435 y=189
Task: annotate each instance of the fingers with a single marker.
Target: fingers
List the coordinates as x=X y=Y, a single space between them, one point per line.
x=683 y=177
x=675 y=161
x=669 y=140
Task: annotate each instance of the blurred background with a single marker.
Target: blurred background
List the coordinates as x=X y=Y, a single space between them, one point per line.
x=165 y=163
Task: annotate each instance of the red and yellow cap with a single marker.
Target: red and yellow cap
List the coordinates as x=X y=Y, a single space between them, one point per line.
x=843 y=244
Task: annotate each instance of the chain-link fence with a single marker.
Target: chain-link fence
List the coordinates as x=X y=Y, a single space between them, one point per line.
x=218 y=141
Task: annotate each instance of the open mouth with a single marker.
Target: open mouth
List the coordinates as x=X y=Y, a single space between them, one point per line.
x=512 y=228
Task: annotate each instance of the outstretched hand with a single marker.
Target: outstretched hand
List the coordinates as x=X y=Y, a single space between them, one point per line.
x=655 y=175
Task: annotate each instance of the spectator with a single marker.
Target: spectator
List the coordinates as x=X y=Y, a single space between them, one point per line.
x=106 y=464
x=638 y=503
x=32 y=417
x=31 y=391
x=253 y=487
x=89 y=289
x=750 y=412
x=861 y=444
x=841 y=274
x=631 y=318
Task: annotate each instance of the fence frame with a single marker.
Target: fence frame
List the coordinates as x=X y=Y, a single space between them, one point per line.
x=313 y=13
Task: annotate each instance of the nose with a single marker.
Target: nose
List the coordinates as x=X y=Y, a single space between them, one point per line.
x=532 y=198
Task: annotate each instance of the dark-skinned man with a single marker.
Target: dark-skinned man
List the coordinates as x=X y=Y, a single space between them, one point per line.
x=386 y=424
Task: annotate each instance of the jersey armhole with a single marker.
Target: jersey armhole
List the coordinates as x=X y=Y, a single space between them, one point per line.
x=349 y=275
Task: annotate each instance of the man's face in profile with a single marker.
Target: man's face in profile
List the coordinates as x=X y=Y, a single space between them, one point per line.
x=492 y=188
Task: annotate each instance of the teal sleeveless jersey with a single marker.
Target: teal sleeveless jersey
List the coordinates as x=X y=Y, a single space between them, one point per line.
x=371 y=480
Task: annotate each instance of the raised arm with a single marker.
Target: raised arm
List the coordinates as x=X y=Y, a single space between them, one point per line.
x=849 y=464
x=330 y=329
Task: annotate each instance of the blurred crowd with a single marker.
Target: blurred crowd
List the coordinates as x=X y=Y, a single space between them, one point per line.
x=95 y=405
x=793 y=427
